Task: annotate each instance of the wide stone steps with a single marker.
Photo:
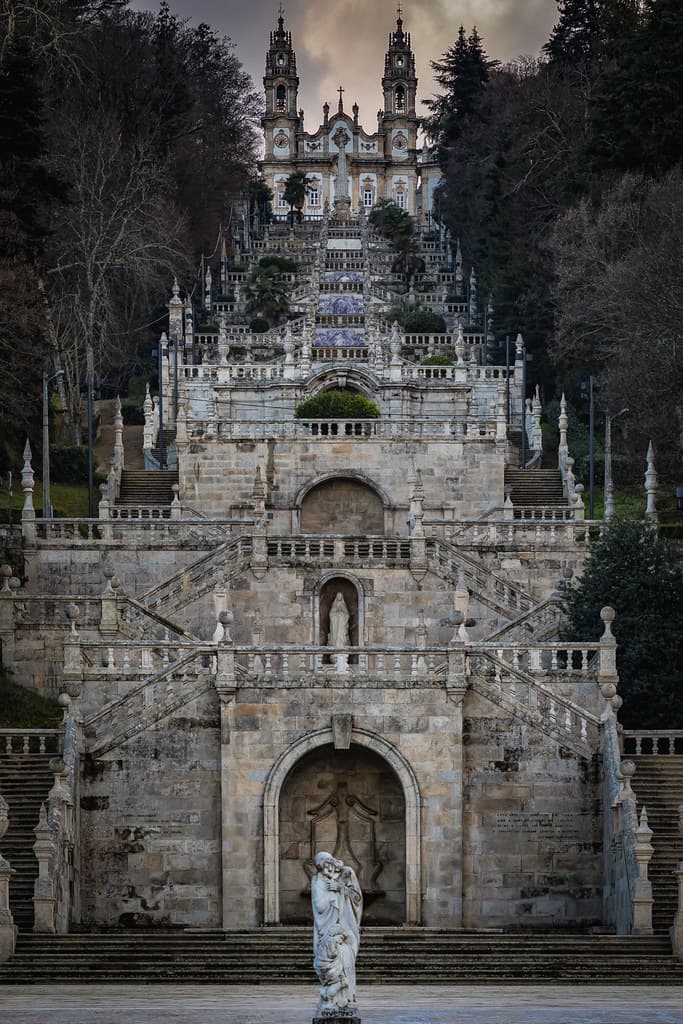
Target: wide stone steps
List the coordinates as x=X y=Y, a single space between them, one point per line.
x=658 y=785
x=147 y=487
x=387 y=955
x=534 y=487
x=25 y=782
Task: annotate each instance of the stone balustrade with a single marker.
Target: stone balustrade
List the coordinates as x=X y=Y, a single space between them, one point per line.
x=43 y=610
x=31 y=741
x=548 y=531
x=656 y=742
x=383 y=550
x=455 y=564
x=190 y=531
x=371 y=429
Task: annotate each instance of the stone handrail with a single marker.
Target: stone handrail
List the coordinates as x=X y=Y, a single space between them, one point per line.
x=333 y=548
x=204 y=570
x=192 y=530
x=620 y=825
x=545 y=616
x=655 y=742
x=495 y=533
x=41 y=610
x=55 y=895
x=216 y=373
x=371 y=429
x=494 y=590
x=31 y=741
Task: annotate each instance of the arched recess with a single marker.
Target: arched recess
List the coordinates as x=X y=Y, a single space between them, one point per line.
x=340 y=378
x=271 y=824
x=341 y=503
x=329 y=584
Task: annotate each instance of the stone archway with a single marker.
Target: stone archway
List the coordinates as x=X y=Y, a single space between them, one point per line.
x=342 y=505
x=349 y=802
x=323 y=738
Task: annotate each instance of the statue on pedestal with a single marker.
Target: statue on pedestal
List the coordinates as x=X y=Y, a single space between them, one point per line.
x=338 y=635
x=337 y=908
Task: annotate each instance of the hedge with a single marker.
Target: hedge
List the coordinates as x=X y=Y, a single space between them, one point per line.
x=341 y=405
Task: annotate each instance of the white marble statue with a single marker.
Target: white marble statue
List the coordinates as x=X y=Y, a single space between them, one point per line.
x=337 y=908
x=338 y=635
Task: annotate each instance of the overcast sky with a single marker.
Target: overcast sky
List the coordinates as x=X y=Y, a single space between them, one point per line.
x=343 y=42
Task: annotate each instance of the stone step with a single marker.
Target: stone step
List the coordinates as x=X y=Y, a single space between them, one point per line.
x=395 y=955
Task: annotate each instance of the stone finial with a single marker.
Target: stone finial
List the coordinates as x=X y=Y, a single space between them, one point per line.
x=651 y=484
x=27 y=478
x=608 y=677
x=175 y=290
x=642 y=898
x=460 y=346
x=473 y=297
x=519 y=346
x=5 y=576
x=563 y=425
x=458 y=268
x=417 y=506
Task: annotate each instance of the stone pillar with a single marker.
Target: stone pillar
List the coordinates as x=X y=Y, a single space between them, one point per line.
x=456 y=688
x=109 y=618
x=28 y=513
x=259 y=554
x=44 y=900
x=642 y=899
x=563 y=447
x=418 y=554
x=8 y=929
x=677 y=928
x=226 y=689
x=607 y=660
x=651 y=484
x=118 y=438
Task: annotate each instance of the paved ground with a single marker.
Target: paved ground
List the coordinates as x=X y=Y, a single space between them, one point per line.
x=294 y=1004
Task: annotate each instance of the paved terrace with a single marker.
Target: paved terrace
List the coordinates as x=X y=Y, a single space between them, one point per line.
x=295 y=1004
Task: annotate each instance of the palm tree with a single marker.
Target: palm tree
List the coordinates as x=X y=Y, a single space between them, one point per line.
x=267 y=293
x=296 y=190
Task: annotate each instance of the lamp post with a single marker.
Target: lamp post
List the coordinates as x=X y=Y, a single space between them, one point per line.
x=588 y=391
x=47 y=380
x=609 y=488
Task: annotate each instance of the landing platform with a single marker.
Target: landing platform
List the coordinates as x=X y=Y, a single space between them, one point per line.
x=379 y=1004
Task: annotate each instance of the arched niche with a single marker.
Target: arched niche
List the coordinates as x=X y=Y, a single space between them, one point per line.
x=340 y=378
x=341 y=505
x=350 y=803
x=271 y=816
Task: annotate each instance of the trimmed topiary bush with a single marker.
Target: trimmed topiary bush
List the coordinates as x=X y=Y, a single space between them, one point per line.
x=424 y=321
x=337 y=405
x=283 y=264
x=69 y=463
x=437 y=361
x=258 y=325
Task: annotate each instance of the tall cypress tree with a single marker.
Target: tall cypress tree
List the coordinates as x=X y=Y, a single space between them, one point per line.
x=462 y=73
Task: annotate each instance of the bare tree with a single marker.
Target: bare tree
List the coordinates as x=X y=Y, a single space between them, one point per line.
x=619 y=305
x=115 y=248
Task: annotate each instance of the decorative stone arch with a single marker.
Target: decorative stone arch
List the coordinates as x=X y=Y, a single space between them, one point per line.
x=271 y=824
x=350 y=475
x=333 y=574
x=341 y=378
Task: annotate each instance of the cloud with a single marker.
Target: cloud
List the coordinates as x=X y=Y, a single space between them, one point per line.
x=343 y=42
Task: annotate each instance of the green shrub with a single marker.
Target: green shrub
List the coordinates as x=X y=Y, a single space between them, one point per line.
x=283 y=264
x=132 y=411
x=258 y=325
x=424 y=321
x=69 y=463
x=21 y=708
x=437 y=361
x=340 y=405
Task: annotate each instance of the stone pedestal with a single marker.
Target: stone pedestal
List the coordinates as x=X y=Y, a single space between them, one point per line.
x=337 y=1019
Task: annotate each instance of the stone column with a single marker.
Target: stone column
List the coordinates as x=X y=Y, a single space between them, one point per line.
x=677 y=928
x=44 y=900
x=642 y=899
x=226 y=689
x=8 y=929
x=456 y=688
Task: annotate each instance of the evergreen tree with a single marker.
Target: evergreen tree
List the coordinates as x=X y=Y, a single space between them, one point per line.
x=462 y=73
x=633 y=570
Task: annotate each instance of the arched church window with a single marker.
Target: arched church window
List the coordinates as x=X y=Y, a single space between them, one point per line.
x=401 y=199
x=281 y=97
x=367 y=197
x=400 y=98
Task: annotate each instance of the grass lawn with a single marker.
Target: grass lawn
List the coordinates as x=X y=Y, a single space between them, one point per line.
x=68 y=500
x=26 y=709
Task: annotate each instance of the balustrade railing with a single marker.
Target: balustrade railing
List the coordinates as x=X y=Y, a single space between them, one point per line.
x=371 y=429
x=309 y=549
x=31 y=741
x=655 y=742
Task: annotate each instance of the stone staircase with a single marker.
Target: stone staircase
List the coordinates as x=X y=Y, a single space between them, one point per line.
x=25 y=781
x=535 y=487
x=399 y=956
x=147 y=487
x=658 y=785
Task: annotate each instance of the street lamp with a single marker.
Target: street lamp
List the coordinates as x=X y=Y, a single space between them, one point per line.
x=47 y=508
x=609 y=488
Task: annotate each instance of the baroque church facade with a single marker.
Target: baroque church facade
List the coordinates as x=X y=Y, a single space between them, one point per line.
x=285 y=633
x=382 y=163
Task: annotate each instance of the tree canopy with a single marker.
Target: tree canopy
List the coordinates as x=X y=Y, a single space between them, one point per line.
x=636 y=572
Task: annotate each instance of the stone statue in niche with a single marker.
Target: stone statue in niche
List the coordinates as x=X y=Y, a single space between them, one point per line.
x=338 y=635
x=337 y=909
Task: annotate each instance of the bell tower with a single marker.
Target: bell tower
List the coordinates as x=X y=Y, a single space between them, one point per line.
x=398 y=120
x=399 y=83
x=281 y=83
